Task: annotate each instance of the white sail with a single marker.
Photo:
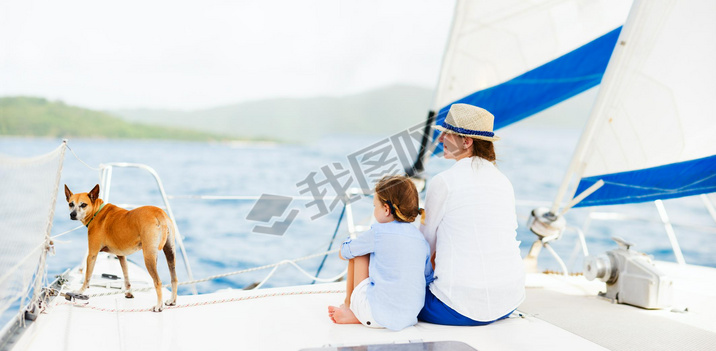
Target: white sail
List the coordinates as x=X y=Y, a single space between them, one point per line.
x=494 y=42
x=652 y=134
x=517 y=58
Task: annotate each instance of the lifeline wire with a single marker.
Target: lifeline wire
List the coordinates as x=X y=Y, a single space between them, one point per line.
x=219 y=275
x=330 y=245
x=67 y=232
x=79 y=159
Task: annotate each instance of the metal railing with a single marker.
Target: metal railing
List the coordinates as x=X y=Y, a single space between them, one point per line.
x=616 y=216
x=106 y=171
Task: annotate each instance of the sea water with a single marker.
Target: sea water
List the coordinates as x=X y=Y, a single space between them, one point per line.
x=219 y=238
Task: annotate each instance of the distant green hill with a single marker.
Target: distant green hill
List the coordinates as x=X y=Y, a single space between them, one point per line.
x=380 y=112
x=31 y=116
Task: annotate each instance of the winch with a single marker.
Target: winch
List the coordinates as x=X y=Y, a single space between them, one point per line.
x=631 y=277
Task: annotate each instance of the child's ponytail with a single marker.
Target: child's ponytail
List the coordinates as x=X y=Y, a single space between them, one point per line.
x=400 y=194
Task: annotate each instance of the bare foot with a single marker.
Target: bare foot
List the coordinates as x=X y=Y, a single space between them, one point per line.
x=332 y=311
x=342 y=315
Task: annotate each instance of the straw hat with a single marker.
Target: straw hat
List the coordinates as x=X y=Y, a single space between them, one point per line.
x=469 y=121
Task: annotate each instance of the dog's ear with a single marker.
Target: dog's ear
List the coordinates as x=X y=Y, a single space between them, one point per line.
x=94 y=193
x=68 y=193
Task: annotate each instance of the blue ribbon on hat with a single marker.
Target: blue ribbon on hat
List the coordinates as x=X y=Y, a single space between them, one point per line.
x=466 y=131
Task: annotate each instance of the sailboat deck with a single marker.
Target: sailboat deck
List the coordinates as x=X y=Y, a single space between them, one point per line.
x=293 y=318
x=282 y=321
x=573 y=305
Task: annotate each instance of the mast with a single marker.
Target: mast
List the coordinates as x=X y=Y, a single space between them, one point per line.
x=423 y=153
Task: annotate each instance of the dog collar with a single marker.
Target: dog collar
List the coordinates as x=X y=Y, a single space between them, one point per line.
x=95 y=214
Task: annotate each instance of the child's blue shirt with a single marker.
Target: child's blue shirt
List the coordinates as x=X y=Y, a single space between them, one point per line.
x=399 y=267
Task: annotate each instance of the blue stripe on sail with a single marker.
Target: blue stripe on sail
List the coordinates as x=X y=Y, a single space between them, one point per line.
x=544 y=86
x=663 y=182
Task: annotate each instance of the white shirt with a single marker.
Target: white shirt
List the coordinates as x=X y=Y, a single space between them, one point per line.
x=471 y=223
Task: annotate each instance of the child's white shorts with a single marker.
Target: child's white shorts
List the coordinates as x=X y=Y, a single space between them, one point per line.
x=361 y=307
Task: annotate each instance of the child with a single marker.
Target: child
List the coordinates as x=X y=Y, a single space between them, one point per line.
x=386 y=289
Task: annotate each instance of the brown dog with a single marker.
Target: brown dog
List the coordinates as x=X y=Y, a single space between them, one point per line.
x=118 y=231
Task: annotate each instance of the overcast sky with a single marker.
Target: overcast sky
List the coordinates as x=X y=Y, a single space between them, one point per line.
x=198 y=54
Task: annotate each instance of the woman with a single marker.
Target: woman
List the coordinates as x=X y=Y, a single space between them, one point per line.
x=470 y=225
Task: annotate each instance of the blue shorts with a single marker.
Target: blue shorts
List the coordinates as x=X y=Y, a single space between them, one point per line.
x=436 y=312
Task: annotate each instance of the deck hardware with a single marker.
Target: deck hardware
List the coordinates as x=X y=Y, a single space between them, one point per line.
x=70 y=296
x=32 y=311
x=631 y=277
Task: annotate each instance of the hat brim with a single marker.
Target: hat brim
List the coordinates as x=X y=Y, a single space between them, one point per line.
x=445 y=130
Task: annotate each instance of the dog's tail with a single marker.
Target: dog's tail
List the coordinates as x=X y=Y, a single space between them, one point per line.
x=167 y=227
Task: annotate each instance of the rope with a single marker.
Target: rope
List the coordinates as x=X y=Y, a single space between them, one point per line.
x=218 y=275
x=31 y=254
x=204 y=303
